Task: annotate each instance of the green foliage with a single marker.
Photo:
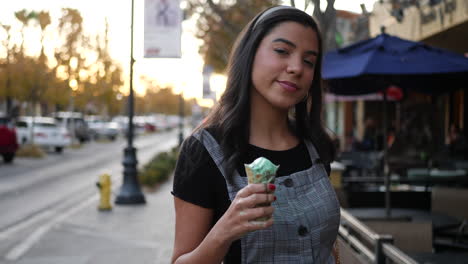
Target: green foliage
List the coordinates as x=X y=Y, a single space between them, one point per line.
x=158 y=169
x=44 y=80
x=220 y=23
x=161 y=100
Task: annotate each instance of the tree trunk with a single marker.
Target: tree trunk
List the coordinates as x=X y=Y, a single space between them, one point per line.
x=327 y=23
x=9 y=99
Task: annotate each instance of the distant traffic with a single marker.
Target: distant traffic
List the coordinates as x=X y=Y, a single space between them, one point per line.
x=62 y=130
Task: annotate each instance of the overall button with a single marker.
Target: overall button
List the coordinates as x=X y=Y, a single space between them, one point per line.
x=302 y=231
x=288 y=183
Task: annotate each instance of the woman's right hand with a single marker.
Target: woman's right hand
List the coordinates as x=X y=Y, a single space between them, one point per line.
x=240 y=217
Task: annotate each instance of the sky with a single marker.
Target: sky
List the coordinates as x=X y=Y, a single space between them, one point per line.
x=184 y=74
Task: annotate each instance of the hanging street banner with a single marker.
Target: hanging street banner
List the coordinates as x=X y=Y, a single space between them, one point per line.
x=163 y=29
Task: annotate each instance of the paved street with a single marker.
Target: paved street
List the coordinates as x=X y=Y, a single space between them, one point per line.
x=49 y=209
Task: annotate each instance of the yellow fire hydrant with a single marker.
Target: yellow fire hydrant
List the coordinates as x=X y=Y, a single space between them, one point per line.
x=104 y=185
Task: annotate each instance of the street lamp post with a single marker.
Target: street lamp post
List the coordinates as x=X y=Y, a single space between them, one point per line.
x=181 y=118
x=130 y=192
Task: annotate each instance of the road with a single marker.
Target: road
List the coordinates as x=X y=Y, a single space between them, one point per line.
x=35 y=192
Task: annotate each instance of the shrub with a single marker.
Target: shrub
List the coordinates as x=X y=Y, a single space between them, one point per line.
x=30 y=151
x=158 y=169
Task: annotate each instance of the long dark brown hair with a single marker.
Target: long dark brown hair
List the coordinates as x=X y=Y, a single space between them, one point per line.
x=231 y=116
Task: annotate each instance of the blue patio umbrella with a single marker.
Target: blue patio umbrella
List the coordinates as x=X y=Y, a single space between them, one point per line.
x=373 y=65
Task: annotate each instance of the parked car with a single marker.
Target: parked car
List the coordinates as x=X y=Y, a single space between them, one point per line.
x=43 y=132
x=8 y=140
x=138 y=127
x=141 y=125
x=75 y=123
x=103 y=129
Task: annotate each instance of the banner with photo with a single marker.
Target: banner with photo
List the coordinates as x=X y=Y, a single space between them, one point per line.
x=163 y=29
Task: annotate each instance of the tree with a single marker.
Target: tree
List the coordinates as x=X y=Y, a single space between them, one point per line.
x=43 y=19
x=5 y=73
x=99 y=88
x=220 y=23
x=24 y=17
x=108 y=76
x=36 y=80
x=159 y=99
x=18 y=56
x=69 y=55
x=32 y=89
x=327 y=22
x=41 y=75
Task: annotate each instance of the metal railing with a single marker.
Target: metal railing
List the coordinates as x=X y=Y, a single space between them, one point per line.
x=377 y=248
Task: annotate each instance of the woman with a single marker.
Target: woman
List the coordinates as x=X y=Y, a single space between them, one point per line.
x=271 y=108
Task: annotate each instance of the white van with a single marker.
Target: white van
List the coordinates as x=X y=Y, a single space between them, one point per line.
x=75 y=123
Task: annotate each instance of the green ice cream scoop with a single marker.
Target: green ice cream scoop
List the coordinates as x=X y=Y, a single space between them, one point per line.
x=261 y=170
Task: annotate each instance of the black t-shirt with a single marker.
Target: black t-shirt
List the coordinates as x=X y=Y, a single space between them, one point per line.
x=197 y=180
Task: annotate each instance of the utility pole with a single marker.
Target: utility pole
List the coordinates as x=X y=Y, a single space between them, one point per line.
x=130 y=191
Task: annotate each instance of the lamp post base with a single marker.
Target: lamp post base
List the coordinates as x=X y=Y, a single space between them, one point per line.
x=130 y=192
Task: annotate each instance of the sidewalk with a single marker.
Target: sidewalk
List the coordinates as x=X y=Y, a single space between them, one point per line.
x=127 y=234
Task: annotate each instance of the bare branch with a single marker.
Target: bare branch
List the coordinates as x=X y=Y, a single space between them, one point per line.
x=317 y=12
x=306 y=4
x=218 y=11
x=248 y=11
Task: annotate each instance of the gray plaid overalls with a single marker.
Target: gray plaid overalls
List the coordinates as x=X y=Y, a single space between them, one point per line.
x=306 y=217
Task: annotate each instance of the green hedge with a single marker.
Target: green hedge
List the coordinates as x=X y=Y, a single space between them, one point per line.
x=158 y=169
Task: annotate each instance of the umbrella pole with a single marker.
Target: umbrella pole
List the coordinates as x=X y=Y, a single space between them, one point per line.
x=385 y=162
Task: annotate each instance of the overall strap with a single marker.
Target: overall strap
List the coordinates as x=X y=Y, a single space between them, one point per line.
x=216 y=153
x=314 y=156
x=213 y=148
